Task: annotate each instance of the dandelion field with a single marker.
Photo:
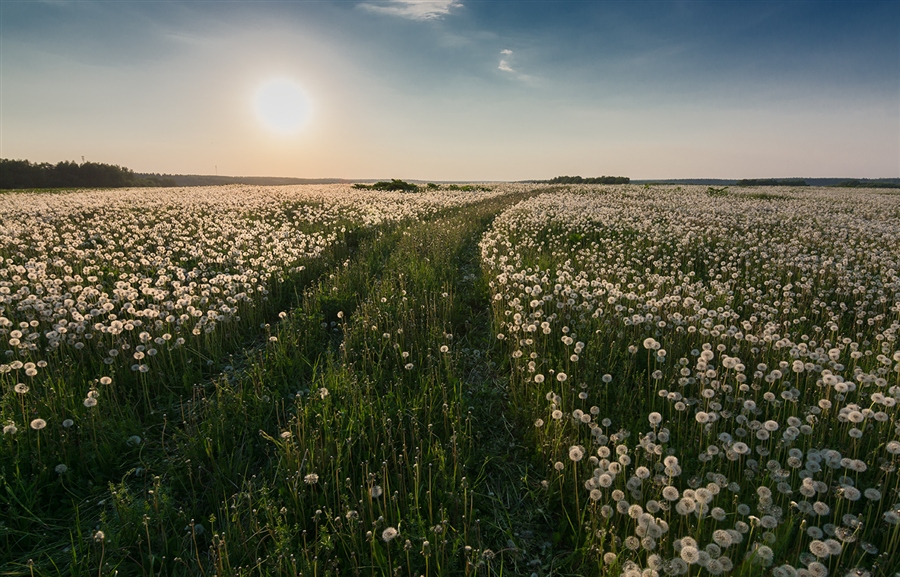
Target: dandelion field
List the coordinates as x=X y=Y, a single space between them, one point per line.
x=569 y=380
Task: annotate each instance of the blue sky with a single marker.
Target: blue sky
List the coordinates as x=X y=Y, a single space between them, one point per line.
x=465 y=90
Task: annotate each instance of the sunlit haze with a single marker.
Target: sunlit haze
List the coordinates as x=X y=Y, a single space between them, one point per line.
x=282 y=106
x=444 y=90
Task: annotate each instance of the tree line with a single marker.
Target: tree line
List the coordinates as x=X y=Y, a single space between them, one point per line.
x=401 y=185
x=394 y=185
x=67 y=174
x=589 y=180
x=881 y=183
x=771 y=182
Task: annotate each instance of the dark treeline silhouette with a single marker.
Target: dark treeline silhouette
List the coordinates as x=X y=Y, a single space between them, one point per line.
x=216 y=180
x=883 y=183
x=771 y=182
x=67 y=174
x=394 y=184
x=590 y=180
x=809 y=180
x=403 y=186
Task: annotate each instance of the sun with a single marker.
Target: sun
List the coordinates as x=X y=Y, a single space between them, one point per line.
x=282 y=106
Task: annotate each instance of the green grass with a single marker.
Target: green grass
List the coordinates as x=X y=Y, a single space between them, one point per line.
x=378 y=415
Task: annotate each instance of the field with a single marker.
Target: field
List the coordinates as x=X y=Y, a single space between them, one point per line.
x=568 y=380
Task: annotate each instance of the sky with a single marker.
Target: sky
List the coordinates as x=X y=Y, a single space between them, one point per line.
x=476 y=90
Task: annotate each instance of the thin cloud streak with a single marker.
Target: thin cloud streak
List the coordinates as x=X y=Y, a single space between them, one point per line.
x=422 y=10
x=506 y=57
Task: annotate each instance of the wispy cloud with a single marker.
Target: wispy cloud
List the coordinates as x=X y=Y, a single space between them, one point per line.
x=413 y=9
x=507 y=60
x=504 y=65
x=505 y=55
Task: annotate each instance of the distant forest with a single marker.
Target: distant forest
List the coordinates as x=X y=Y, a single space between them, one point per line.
x=67 y=174
x=215 y=180
x=23 y=174
x=771 y=182
x=853 y=183
x=808 y=181
x=590 y=180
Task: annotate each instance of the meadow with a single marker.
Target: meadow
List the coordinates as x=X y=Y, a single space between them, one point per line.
x=559 y=380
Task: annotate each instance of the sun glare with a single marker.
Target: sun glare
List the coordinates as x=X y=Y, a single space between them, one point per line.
x=282 y=106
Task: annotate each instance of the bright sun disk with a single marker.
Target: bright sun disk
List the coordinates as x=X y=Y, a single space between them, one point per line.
x=282 y=106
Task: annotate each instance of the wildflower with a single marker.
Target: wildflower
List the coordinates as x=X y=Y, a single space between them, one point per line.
x=817 y=569
x=715 y=567
x=10 y=429
x=38 y=424
x=311 y=479
x=869 y=548
x=21 y=388
x=60 y=469
x=872 y=494
x=576 y=453
x=686 y=506
x=722 y=538
x=670 y=493
x=764 y=554
x=690 y=555
x=850 y=493
x=834 y=547
x=389 y=534
x=375 y=491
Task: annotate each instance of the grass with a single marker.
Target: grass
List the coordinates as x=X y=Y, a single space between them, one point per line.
x=459 y=394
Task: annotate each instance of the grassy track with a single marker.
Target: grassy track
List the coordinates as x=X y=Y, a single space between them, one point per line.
x=587 y=382
x=374 y=406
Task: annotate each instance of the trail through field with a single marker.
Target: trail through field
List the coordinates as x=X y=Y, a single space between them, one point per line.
x=374 y=421
x=419 y=345
x=583 y=381
x=374 y=405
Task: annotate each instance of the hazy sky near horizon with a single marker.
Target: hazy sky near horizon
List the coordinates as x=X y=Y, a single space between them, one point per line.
x=455 y=90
